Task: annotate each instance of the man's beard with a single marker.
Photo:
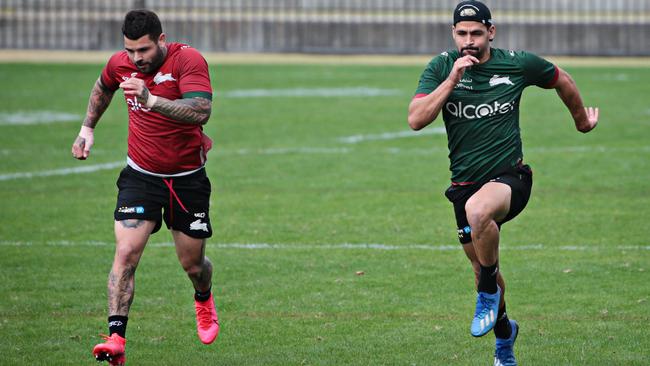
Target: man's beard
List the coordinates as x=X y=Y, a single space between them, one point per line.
x=478 y=53
x=154 y=64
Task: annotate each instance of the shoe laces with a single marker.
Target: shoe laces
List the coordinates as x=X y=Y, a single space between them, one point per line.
x=108 y=338
x=204 y=315
x=505 y=354
x=486 y=303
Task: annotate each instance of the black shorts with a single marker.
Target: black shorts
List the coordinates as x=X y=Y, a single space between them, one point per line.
x=183 y=202
x=520 y=180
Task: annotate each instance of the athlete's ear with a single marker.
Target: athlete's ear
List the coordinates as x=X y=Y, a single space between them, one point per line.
x=161 y=39
x=492 y=31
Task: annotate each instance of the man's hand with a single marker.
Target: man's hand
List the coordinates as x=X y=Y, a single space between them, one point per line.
x=83 y=143
x=137 y=87
x=460 y=65
x=423 y=111
x=591 y=120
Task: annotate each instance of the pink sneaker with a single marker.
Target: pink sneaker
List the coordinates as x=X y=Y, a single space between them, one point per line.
x=112 y=350
x=207 y=322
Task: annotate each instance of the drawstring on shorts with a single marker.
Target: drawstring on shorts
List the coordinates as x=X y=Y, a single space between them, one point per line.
x=172 y=195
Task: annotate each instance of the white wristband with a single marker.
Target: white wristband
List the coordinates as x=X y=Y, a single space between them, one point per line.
x=86 y=131
x=151 y=100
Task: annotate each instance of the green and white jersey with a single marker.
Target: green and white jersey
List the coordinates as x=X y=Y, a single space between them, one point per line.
x=482 y=113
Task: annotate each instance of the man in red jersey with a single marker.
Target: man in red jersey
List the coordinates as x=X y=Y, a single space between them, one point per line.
x=169 y=98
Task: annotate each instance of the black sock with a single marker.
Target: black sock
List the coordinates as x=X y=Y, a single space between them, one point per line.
x=487 y=279
x=117 y=324
x=502 y=328
x=202 y=296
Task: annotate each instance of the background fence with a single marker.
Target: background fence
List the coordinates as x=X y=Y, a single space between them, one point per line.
x=550 y=27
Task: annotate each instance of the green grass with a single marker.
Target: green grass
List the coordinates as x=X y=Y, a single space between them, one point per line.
x=576 y=261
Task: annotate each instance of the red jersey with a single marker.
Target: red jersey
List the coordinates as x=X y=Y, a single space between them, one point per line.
x=157 y=143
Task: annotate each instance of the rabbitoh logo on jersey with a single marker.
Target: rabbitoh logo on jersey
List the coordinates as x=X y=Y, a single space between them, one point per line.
x=161 y=78
x=497 y=80
x=472 y=111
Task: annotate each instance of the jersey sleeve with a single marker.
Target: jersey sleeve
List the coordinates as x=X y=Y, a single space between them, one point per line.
x=108 y=73
x=194 y=77
x=538 y=71
x=431 y=76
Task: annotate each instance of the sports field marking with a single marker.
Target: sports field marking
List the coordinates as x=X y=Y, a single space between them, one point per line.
x=63 y=171
x=540 y=150
x=36 y=118
x=392 y=135
x=317 y=150
x=614 y=77
x=340 y=246
x=361 y=91
x=287 y=151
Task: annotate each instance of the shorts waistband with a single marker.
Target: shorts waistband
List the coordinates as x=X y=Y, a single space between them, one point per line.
x=136 y=167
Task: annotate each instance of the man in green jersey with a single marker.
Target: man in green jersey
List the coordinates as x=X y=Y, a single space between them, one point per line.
x=478 y=89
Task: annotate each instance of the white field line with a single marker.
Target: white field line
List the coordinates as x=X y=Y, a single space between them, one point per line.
x=36 y=118
x=63 y=171
x=311 y=92
x=286 y=151
x=542 y=150
x=341 y=246
x=316 y=151
x=392 y=135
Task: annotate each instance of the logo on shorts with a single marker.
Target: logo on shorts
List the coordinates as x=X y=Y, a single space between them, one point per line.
x=136 y=209
x=198 y=225
x=200 y=214
x=464 y=231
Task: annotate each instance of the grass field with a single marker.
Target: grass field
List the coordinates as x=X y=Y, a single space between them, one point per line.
x=312 y=170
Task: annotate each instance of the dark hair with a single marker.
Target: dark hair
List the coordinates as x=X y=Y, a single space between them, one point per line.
x=140 y=22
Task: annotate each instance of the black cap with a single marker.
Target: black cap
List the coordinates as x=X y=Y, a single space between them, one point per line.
x=473 y=11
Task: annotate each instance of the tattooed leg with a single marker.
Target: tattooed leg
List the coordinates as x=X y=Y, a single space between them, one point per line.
x=121 y=284
x=131 y=237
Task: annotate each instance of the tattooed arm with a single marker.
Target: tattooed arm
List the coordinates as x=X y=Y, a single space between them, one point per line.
x=193 y=111
x=100 y=98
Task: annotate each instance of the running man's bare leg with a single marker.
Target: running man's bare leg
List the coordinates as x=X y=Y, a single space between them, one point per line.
x=484 y=209
x=487 y=206
x=191 y=254
x=476 y=267
x=130 y=239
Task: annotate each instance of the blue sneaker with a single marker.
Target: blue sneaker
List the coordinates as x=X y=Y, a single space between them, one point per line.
x=485 y=316
x=504 y=354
